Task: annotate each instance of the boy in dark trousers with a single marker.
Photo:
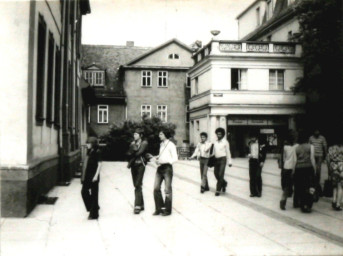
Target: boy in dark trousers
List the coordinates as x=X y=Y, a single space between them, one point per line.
x=257 y=156
x=90 y=178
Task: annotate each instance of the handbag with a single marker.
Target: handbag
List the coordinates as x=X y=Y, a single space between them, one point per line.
x=212 y=159
x=328 y=188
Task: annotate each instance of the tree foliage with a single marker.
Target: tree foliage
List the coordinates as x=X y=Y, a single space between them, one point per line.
x=321 y=38
x=119 y=137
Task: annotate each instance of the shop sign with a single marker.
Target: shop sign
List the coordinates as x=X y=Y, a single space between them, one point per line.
x=267 y=131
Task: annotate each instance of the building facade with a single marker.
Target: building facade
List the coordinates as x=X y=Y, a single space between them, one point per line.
x=100 y=65
x=268 y=20
x=41 y=104
x=245 y=87
x=156 y=84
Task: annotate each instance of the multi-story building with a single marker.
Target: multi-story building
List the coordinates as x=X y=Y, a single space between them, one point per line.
x=245 y=87
x=268 y=20
x=40 y=104
x=100 y=64
x=156 y=84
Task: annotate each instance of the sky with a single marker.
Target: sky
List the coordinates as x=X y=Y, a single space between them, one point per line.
x=152 y=22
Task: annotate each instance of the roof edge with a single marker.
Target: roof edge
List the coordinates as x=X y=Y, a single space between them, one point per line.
x=153 y=50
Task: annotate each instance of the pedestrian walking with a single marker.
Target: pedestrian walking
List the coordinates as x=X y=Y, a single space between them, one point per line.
x=137 y=163
x=222 y=154
x=320 y=151
x=335 y=165
x=257 y=157
x=288 y=159
x=304 y=174
x=164 y=172
x=91 y=177
x=202 y=153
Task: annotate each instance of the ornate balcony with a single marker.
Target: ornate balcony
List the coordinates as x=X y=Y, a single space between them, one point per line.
x=256 y=49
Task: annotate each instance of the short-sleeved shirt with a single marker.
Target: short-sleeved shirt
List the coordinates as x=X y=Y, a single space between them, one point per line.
x=319 y=145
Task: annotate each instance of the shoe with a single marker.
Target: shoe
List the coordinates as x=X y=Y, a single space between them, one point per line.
x=224 y=187
x=258 y=195
x=217 y=193
x=142 y=208
x=95 y=217
x=202 y=190
x=137 y=211
x=306 y=209
x=283 y=204
x=157 y=213
x=165 y=213
x=251 y=195
x=338 y=208
x=333 y=205
x=207 y=188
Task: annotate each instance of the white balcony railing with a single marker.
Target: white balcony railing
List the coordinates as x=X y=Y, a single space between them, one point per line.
x=237 y=48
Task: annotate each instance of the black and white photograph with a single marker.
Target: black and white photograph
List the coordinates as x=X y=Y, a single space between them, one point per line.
x=171 y=127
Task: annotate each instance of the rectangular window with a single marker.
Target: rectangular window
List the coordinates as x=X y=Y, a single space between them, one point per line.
x=102 y=114
x=50 y=85
x=258 y=16
x=146 y=78
x=162 y=78
x=238 y=79
x=188 y=84
x=57 y=86
x=88 y=77
x=276 y=80
x=187 y=114
x=196 y=86
x=41 y=46
x=95 y=78
x=98 y=78
x=269 y=9
x=146 y=111
x=162 y=112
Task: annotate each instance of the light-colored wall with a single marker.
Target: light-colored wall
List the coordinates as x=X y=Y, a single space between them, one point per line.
x=218 y=75
x=44 y=137
x=161 y=57
x=248 y=21
x=174 y=97
x=281 y=33
x=14 y=83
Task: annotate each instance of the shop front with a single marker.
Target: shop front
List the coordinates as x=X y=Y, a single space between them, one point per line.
x=271 y=129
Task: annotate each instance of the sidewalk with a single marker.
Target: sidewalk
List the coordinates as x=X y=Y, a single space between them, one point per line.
x=201 y=224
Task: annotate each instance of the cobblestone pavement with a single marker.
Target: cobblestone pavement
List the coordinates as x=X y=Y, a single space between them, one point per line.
x=201 y=224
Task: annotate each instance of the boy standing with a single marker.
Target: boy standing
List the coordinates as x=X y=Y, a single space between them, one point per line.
x=90 y=178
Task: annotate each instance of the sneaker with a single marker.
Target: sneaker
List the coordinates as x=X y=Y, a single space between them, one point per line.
x=283 y=204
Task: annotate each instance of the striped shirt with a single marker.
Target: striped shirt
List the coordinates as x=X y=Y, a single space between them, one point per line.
x=319 y=145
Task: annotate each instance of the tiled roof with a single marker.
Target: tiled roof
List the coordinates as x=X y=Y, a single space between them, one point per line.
x=109 y=58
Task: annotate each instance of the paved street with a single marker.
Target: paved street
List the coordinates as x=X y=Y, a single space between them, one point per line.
x=201 y=224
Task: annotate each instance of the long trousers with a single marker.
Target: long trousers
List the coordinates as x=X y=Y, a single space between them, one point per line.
x=303 y=180
x=203 y=172
x=219 y=172
x=90 y=196
x=137 y=172
x=164 y=172
x=255 y=176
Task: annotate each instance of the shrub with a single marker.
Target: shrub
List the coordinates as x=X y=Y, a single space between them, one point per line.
x=119 y=137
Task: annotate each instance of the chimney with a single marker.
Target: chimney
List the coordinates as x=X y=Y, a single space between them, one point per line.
x=130 y=43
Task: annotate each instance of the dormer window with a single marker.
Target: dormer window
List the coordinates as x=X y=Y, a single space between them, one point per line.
x=173 y=56
x=95 y=78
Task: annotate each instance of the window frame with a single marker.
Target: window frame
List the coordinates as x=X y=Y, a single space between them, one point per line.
x=150 y=112
x=239 y=78
x=91 y=77
x=276 y=85
x=101 y=113
x=145 y=77
x=163 y=78
x=162 y=111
